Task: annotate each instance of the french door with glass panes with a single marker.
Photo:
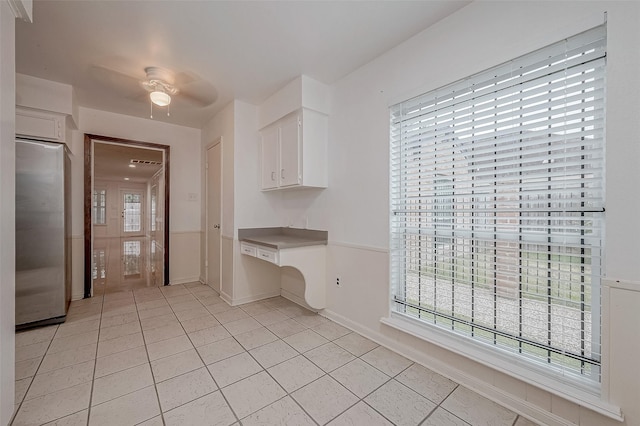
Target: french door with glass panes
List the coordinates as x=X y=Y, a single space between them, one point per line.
x=132 y=212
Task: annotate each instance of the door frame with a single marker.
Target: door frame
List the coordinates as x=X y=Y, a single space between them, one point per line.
x=88 y=199
x=216 y=142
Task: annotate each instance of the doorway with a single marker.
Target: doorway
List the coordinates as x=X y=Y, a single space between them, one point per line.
x=213 y=214
x=126 y=213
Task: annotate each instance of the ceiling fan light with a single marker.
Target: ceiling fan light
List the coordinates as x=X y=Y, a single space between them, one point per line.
x=160 y=98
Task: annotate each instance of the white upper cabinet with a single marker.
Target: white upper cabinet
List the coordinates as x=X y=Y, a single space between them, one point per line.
x=290 y=167
x=40 y=124
x=269 y=148
x=294 y=151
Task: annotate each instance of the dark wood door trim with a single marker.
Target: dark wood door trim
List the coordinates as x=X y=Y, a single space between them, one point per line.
x=88 y=200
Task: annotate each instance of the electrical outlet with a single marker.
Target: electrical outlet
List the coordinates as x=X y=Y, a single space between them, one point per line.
x=338 y=281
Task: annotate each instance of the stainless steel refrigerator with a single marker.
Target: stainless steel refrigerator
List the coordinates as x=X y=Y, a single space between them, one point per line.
x=43 y=255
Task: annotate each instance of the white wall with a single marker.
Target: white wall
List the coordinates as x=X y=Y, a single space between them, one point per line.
x=185 y=176
x=253 y=279
x=59 y=96
x=7 y=212
x=254 y=208
x=355 y=207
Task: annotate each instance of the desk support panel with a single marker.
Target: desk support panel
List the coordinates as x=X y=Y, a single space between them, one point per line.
x=311 y=261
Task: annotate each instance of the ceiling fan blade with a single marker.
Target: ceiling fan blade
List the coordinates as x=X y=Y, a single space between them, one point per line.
x=199 y=93
x=185 y=78
x=122 y=84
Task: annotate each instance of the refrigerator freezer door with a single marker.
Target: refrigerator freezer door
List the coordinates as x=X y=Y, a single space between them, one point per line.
x=40 y=232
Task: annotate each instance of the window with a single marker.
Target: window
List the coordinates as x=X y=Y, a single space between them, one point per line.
x=99 y=206
x=497 y=208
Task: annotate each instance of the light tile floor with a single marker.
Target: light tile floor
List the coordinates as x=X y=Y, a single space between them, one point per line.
x=180 y=355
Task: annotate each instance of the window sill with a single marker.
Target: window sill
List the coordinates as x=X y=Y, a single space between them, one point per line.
x=586 y=396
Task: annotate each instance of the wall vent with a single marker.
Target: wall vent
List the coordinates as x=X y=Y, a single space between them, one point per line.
x=146 y=162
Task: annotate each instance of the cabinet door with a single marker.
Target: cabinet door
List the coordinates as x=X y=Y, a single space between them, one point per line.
x=290 y=170
x=40 y=124
x=269 y=157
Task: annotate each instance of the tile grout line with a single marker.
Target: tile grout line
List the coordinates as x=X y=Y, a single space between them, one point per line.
x=348 y=390
x=207 y=367
x=104 y=302
x=266 y=370
x=95 y=362
x=42 y=360
x=289 y=394
x=359 y=399
x=251 y=355
x=146 y=350
x=17 y=410
x=219 y=389
x=144 y=344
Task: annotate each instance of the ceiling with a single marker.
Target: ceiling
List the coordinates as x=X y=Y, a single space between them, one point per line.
x=112 y=162
x=242 y=50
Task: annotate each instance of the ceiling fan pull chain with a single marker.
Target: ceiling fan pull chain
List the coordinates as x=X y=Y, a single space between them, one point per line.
x=168 y=110
x=151 y=104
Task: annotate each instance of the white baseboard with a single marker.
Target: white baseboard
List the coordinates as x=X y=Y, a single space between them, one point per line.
x=203 y=282
x=253 y=298
x=296 y=299
x=524 y=408
x=187 y=280
x=224 y=296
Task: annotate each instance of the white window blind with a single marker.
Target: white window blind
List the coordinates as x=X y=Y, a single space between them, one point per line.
x=497 y=206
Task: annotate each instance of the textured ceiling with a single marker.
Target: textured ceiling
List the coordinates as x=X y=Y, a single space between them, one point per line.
x=243 y=50
x=112 y=162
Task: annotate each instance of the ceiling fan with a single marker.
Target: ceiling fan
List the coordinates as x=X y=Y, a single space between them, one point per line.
x=159 y=86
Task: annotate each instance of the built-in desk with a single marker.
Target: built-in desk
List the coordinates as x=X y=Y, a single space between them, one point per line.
x=302 y=249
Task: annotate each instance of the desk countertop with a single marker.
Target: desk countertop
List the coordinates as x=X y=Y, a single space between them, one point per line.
x=283 y=238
